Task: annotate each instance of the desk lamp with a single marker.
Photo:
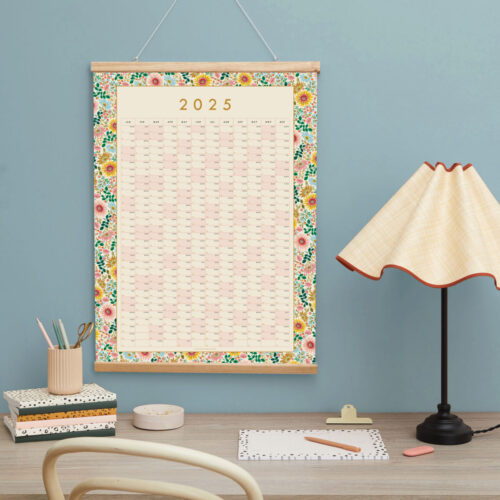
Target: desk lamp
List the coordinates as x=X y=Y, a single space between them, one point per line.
x=442 y=227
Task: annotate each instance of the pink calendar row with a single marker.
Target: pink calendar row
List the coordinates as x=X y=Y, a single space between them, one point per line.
x=170 y=160
x=223 y=238
x=224 y=309
x=239 y=268
x=211 y=255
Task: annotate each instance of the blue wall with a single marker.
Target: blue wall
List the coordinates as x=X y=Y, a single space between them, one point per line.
x=401 y=82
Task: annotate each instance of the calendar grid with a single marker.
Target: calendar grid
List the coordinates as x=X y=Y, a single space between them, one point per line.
x=208 y=267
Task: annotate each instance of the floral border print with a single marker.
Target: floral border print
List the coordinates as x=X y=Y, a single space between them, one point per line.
x=105 y=216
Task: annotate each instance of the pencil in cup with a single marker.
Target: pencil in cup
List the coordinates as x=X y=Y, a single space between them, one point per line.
x=58 y=336
x=47 y=338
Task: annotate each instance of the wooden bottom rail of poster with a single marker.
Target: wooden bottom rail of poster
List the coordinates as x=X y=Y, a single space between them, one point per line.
x=101 y=366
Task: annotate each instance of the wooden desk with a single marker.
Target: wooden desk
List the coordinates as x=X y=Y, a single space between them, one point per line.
x=466 y=471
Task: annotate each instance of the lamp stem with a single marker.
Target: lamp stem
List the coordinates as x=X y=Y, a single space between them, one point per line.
x=443 y=427
x=444 y=346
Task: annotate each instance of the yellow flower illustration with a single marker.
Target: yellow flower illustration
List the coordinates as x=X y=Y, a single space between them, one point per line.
x=312 y=298
x=98 y=293
x=234 y=354
x=314 y=158
x=109 y=168
x=202 y=80
x=299 y=326
x=191 y=355
x=103 y=158
x=113 y=125
x=306 y=190
x=310 y=201
x=303 y=98
x=245 y=78
x=113 y=272
x=298 y=87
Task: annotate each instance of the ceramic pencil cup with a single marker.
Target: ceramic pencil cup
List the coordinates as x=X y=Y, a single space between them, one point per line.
x=64 y=370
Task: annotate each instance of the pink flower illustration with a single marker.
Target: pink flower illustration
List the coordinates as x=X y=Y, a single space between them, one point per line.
x=297 y=137
x=302 y=241
x=100 y=208
x=107 y=235
x=310 y=268
x=309 y=344
x=99 y=130
x=154 y=79
x=301 y=165
x=216 y=356
x=145 y=356
x=108 y=312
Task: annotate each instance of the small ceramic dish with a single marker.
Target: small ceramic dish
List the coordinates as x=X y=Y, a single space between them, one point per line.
x=158 y=417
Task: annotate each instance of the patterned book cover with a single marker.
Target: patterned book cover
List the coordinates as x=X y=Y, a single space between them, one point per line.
x=64 y=414
x=58 y=422
x=33 y=401
x=110 y=431
x=54 y=437
x=59 y=431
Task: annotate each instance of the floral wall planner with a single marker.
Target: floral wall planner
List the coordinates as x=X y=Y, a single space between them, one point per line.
x=205 y=220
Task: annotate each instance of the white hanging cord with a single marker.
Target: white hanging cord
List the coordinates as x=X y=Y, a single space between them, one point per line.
x=275 y=57
x=136 y=58
x=252 y=24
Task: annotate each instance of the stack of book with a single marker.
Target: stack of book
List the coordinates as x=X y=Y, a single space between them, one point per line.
x=37 y=415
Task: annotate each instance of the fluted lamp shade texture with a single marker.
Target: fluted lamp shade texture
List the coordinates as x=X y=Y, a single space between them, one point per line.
x=441 y=227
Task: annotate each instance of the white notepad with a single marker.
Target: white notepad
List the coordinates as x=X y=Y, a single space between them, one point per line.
x=292 y=445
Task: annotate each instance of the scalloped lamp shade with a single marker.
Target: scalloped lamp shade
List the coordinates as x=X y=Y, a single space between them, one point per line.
x=442 y=227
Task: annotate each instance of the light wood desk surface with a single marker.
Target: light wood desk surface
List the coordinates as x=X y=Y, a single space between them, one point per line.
x=467 y=471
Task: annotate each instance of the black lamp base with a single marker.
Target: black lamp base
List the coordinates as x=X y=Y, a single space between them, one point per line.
x=444 y=428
